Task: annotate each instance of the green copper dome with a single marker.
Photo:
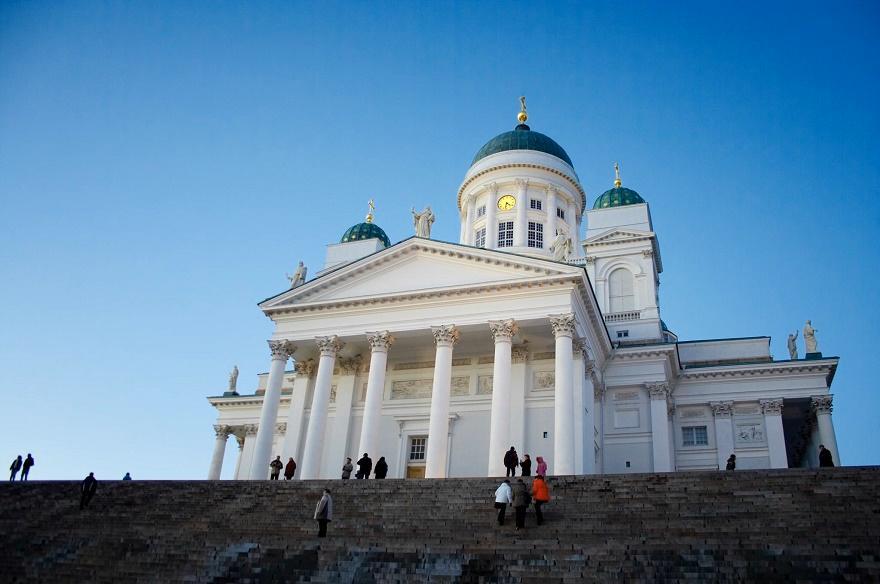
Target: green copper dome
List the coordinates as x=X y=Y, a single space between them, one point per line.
x=365 y=231
x=522 y=138
x=617 y=197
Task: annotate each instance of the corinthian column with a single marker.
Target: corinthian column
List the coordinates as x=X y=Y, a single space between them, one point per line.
x=563 y=326
x=305 y=370
x=491 y=222
x=499 y=422
x=380 y=342
x=659 y=393
x=772 y=410
x=550 y=207
x=222 y=433
x=822 y=405
x=311 y=460
x=723 y=412
x=468 y=232
x=438 y=424
x=280 y=350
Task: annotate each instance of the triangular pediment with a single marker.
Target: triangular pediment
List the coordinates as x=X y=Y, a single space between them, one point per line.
x=617 y=235
x=419 y=266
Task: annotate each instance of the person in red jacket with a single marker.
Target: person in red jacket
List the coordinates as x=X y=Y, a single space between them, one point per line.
x=541 y=495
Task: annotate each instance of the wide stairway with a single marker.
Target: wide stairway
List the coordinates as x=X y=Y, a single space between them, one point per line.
x=757 y=526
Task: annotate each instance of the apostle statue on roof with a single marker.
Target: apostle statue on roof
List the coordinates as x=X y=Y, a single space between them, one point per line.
x=422 y=222
x=299 y=276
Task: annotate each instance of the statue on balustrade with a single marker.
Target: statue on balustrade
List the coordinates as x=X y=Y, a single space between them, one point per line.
x=792 y=346
x=422 y=222
x=561 y=247
x=233 y=378
x=810 y=338
x=299 y=276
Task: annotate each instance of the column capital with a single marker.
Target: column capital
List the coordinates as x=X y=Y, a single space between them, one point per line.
x=306 y=368
x=822 y=404
x=563 y=325
x=380 y=341
x=240 y=440
x=670 y=408
x=222 y=431
x=492 y=188
x=771 y=407
x=251 y=429
x=281 y=427
x=351 y=366
x=281 y=349
x=329 y=346
x=519 y=353
x=522 y=182
x=551 y=189
x=580 y=350
x=503 y=330
x=445 y=334
x=658 y=391
x=598 y=391
x=722 y=409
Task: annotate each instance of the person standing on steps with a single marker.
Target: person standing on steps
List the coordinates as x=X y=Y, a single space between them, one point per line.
x=731 y=462
x=381 y=468
x=127 y=477
x=88 y=488
x=542 y=467
x=347 y=468
x=324 y=512
x=511 y=461
x=14 y=467
x=521 y=500
x=365 y=465
x=541 y=495
x=290 y=469
x=526 y=466
x=276 y=466
x=825 y=458
x=26 y=466
x=503 y=498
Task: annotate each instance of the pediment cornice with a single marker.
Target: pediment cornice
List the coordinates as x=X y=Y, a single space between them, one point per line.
x=617 y=236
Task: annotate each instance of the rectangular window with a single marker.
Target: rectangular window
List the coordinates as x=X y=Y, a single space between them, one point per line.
x=694 y=436
x=622 y=334
x=535 y=204
x=417 y=448
x=481 y=210
x=536 y=234
x=505 y=234
x=480 y=239
x=560 y=213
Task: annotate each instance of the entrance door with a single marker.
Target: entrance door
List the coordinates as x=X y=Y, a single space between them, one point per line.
x=415 y=462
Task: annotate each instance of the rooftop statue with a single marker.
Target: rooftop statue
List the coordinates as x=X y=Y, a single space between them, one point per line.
x=233 y=378
x=810 y=338
x=422 y=222
x=299 y=276
x=561 y=247
x=792 y=346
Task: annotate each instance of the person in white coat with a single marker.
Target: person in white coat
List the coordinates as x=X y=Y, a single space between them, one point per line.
x=503 y=498
x=324 y=513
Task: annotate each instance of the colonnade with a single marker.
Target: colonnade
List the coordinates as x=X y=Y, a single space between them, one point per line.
x=445 y=337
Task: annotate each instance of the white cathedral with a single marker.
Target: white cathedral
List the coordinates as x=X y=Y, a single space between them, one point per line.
x=440 y=356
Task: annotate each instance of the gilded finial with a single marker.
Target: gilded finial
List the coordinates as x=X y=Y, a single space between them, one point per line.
x=372 y=207
x=522 y=116
x=617 y=181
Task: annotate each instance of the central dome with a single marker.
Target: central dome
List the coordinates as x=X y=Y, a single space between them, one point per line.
x=522 y=138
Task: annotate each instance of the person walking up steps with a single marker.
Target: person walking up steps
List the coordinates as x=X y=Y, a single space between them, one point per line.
x=276 y=466
x=541 y=495
x=365 y=465
x=88 y=488
x=526 y=466
x=503 y=498
x=14 y=467
x=289 y=469
x=324 y=512
x=511 y=461
x=542 y=467
x=26 y=467
x=381 y=468
x=521 y=500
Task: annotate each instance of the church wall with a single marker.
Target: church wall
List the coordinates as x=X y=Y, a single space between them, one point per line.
x=539 y=419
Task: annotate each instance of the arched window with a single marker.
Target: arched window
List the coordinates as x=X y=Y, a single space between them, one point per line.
x=620 y=291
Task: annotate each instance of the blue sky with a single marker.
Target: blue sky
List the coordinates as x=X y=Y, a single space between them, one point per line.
x=162 y=165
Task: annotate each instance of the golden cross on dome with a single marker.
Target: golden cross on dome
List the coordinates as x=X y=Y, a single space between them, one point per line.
x=370 y=212
x=522 y=116
x=617 y=181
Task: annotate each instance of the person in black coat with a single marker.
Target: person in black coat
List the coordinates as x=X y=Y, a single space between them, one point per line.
x=88 y=488
x=731 y=462
x=526 y=466
x=511 y=461
x=825 y=458
x=365 y=465
x=381 y=468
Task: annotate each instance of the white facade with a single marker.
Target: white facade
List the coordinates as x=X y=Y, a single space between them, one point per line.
x=439 y=356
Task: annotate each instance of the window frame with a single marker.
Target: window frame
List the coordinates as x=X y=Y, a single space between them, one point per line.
x=536 y=235
x=480 y=237
x=691 y=432
x=505 y=234
x=536 y=204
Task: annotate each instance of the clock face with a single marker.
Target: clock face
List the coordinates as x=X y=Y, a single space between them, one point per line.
x=507 y=202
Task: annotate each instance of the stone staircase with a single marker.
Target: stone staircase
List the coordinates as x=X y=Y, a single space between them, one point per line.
x=759 y=526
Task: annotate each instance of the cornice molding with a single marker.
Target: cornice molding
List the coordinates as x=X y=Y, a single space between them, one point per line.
x=574 y=181
x=757 y=370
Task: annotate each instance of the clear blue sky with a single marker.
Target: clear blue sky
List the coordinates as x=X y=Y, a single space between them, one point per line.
x=162 y=165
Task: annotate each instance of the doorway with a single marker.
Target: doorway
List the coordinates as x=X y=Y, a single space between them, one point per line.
x=415 y=460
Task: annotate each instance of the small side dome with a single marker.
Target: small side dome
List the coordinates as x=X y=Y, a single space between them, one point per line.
x=617 y=197
x=365 y=230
